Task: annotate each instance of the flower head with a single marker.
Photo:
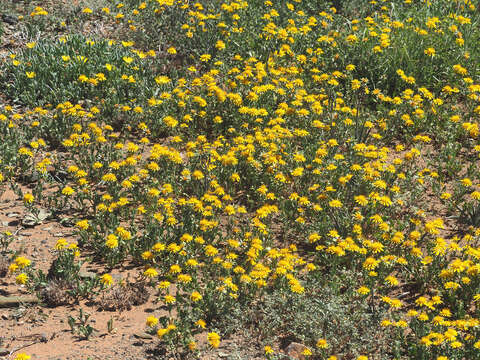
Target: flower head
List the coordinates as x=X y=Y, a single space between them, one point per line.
x=214 y=339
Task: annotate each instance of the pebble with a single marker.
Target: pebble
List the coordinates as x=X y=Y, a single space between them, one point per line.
x=295 y=350
x=4 y=352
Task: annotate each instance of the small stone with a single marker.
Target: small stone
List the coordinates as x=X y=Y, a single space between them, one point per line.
x=117 y=277
x=87 y=274
x=295 y=351
x=4 y=352
x=43 y=214
x=8 y=19
x=142 y=336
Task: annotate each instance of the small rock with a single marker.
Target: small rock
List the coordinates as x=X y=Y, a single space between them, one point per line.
x=142 y=336
x=48 y=228
x=30 y=220
x=223 y=355
x=43 y=214
x=12 y=214
x=117 y=277
x=8 y=19
x=4 y=352
x=295 y=351
x=87 y=274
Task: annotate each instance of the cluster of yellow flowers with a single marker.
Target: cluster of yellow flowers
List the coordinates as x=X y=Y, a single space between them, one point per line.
x=251 y=171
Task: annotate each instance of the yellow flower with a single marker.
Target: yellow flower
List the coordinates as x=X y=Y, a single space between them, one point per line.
x=361 y=200
x=475 y=195
x=161 y=332
x=429 y=52
x=61 y=244
x=456 y=344
x=30 y=74
x=21 y=279
x=82 y=224
x=112 y=241
x=170 y=121
x=127 y=59
x=169 y=299
x=214 y=339
x=198 y=175
x=307 y=352
x=192 y=345
x=297 y=171
x=67 y=190
x=22 y=262
x=147 y=255
x=370 y=263
x=363 y=290
x=28 y=198
x=22 y=356
x=445 y=196
x=172 y=51
x=109 y=177
x=196 y=296
x=164 y=284
x=210 y=250
x=335 y=204
x=106 y=279
x=150 y=272
x=322 y=344
x=201 y=323
x=268 y=350
x=152 y=321
x=220 y=45
x=12 y=268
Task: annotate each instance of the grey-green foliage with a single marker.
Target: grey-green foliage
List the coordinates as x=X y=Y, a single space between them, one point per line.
x=58 y=65
x=350 y=326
